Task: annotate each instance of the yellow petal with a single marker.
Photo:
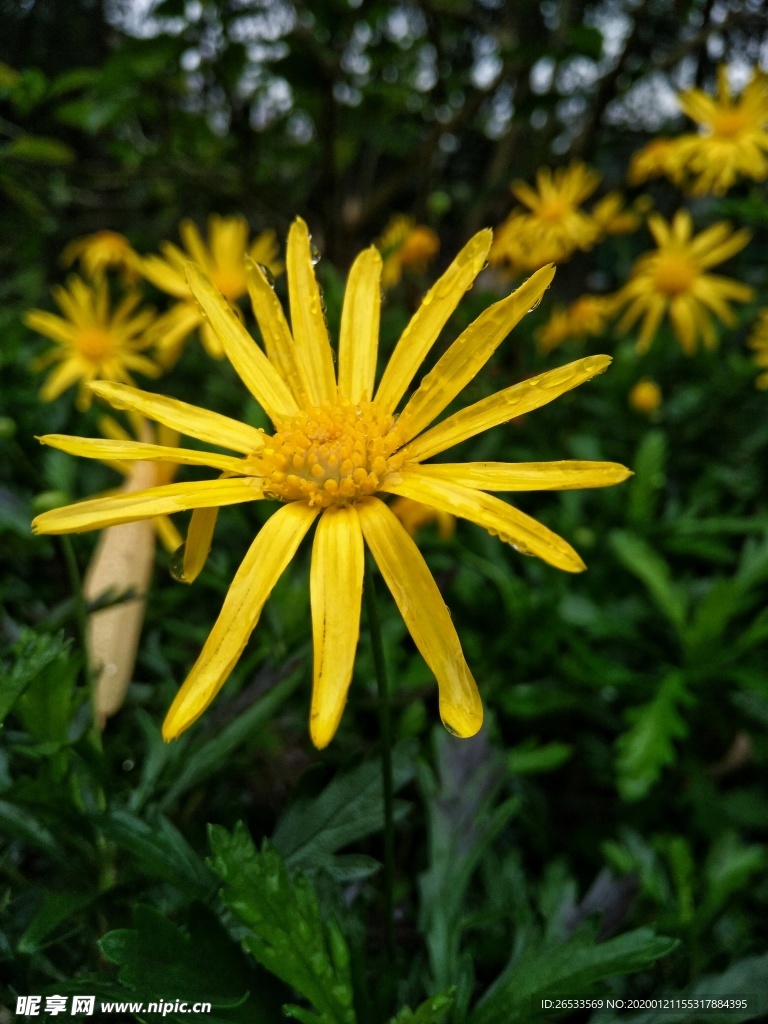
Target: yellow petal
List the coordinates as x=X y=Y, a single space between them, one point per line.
x=269 y=554
x=59 y=379
x=336 y=590
x=359 y=336
x=510 y=524
x=528 y=476
x=198 y=542
x=469 y=353
x=505 y=405
x=163 y=275
x=430 y=318
x=255 y=370
x=96 y=513
x=309 y=331
x=101 y=448
x=426 y=616
x=187 y=419
x=51 y=326
x=275 y=332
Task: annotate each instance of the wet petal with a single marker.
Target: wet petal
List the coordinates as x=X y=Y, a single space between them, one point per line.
x=359 y=336
x=101 y=448
x=336 y=589
x=310 y=334
x=527 y=476
x=426 y=616
x=269 y=554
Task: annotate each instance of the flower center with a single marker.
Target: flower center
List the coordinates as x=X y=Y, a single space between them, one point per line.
x=330 y=455
x=674 y=274
x=554 y=210
x=94 y=344
x=729 y=123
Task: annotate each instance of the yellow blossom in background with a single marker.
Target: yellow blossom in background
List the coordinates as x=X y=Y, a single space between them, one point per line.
x=612 y=218
x=758 y=340
x=659 y=157
x=414 y=514
x=733 y=135
x=404 y=243
x=731 y=142
x=337 y=443
x=645 y=396
x=223 y=260
x=553 y=225
x=672 y=281
x=586 y=317
x=102 y=251
x=93 y=341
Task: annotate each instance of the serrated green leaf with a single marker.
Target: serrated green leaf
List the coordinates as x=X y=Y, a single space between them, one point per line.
x=286 y=932
x=646 y=563
x=575 y=966
x=31 y=655
x=347 y=810
x=647 y=746
x=431 y=1011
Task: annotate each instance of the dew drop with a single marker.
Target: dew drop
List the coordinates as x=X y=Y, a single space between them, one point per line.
x=450 y=729
x=314 y=254
x=268 y=275
x=536 y=304
x=176 y=568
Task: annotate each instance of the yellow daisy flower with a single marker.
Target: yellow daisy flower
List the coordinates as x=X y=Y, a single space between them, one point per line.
x=586 y=317
x=612 y=218
x=733 y=138
x=673 y=280
x=659 y=157
x=758 y=340
x=102 y=251
x=222 y=259
x=94 y=342
x=337 y=444
x=645 y=396
x=554 y=225
x=404 y=243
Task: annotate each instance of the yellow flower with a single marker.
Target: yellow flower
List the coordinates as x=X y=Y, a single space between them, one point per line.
x=585 y=317
x=645 y=396
x=659 y=157
x=733 y=135
x=672 y=280
x=94 y=343
x=102 y=251
x=612 y=218
x=404 y=243
x=415 y=514
x=758 y=340
x=554 y=225
x=337 y=443
x=223 y=260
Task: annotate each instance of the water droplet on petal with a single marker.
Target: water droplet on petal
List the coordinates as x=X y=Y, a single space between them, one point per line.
x=450 y=729
x=268 y=275
x=314 y=253
x=176 y=568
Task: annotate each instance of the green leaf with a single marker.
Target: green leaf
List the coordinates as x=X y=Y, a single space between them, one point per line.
x=287 y=934
x=646 y=486
x=432 y=1011
x=528 y=759
x=55 y=909
x=747 y=977
x=39 y=149
x=160 y=851
x=463 y=819
x=32 y=654
x=648 y=745
x=199 y=962
x=347 y=810
x=577 y=966
x=646 y=563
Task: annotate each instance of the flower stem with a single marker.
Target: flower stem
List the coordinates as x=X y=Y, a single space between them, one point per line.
x=385 y=726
